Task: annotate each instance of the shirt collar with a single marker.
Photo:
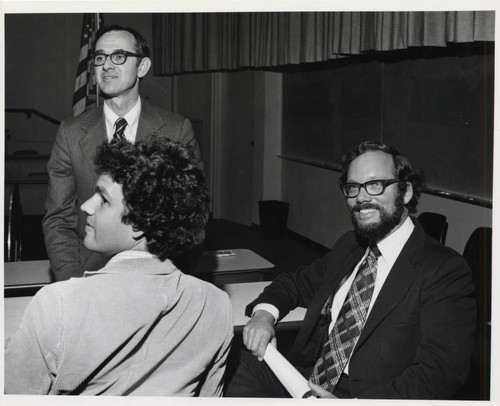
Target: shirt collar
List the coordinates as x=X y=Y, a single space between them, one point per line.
x=144 y=262
x=132 y=118
x=391 y=246
x=130 y=255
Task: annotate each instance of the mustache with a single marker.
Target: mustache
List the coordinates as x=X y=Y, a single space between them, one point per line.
x=364 y=206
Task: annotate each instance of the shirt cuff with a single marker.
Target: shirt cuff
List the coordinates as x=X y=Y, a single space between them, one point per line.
x=268 y=308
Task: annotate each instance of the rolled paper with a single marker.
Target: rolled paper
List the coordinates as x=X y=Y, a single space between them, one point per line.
x=291 y=379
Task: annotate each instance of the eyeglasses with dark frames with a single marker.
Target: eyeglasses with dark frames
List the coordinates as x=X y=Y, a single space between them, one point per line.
x=117 y=57
x=373 y=187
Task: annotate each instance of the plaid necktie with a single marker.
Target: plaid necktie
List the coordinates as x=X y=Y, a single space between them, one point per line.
x=347 y=329
x=120 y=125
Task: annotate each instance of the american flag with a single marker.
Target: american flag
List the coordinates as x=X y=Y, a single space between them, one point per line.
x=86 y=92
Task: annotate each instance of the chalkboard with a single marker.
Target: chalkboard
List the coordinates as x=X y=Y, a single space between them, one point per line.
x=434 y=105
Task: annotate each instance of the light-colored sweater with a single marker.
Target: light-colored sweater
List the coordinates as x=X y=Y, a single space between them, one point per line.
x=136 y=327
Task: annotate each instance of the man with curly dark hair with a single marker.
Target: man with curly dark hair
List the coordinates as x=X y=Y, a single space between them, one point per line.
x=138 y=326
x=390 y=311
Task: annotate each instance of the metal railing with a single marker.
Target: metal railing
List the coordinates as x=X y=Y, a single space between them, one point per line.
x=33 y=112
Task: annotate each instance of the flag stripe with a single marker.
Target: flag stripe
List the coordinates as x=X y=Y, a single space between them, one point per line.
x=81 y=81
x=85 y=89
x=80 y=94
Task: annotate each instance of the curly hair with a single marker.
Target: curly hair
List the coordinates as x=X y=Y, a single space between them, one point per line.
x=403 y=169
x=141 y=44
x=164 y=191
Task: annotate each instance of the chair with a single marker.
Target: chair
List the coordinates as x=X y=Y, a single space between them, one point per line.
x=434 y=225
x=14 y=224
x=477 y=252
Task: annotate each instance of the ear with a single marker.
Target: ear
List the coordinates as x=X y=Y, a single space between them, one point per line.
x=144 y=66
x=409 y=193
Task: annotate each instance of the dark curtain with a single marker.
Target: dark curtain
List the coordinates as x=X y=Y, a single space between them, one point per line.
x=190 y=42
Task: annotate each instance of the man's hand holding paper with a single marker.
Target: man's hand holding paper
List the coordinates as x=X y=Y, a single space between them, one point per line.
x=259 y=332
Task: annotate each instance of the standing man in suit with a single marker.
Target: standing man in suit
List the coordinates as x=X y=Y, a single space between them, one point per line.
x=390 y=311
x=121 y=59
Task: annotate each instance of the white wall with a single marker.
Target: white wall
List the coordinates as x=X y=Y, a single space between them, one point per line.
x=267 y=140
x=236 y=146
x=317 y=207
x=463 y=218
x=318 y=210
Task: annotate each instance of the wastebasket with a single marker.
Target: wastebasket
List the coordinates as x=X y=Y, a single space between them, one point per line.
x=273 y=216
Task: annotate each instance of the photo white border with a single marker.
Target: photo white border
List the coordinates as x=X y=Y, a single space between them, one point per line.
x=148 y=6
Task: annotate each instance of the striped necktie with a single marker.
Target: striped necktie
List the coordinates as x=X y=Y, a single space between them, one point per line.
x=348 y=327
x=120 y=125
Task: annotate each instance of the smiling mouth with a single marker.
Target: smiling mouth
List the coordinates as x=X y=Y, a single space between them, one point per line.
x=109 y=77
x=366 y=213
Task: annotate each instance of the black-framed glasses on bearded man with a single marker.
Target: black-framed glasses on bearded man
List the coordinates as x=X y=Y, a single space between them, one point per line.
x=373 y=187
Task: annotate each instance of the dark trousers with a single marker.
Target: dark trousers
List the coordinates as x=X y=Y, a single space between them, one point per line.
x=247 y=377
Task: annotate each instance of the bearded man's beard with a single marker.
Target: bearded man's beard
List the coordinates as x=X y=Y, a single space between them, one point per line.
x=388 y=221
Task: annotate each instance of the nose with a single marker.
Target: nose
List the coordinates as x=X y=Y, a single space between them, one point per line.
x=363 y=195
x=88 y=205
x=107 y=63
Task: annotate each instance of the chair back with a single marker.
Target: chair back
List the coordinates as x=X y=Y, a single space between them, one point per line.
x=434 y=225
x=12 y=249
x=477 y=252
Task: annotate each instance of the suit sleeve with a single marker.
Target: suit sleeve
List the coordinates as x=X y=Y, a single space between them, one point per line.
x=446 y=337
x=61 y=219
x=292 y=289
x=188 y=138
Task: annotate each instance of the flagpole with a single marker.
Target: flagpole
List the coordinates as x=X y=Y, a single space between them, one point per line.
x=97 y=26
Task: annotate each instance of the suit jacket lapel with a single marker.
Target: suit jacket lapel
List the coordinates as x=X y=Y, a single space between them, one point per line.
x=94 y=128
x=330 y=285
x=397 y=284
x=149 y=122
x=333 y=283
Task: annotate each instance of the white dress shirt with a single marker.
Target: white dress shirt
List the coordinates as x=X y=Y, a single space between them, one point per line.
x=132 y=118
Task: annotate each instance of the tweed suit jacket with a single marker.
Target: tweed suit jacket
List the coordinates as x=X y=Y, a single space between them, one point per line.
x=417 y=340
x=72 y=179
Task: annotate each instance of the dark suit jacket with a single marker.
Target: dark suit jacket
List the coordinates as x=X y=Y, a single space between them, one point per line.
x=418 y=338
x=72 y=179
